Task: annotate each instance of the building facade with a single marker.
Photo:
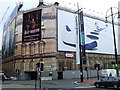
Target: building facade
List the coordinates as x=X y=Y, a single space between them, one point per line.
x=28 y=54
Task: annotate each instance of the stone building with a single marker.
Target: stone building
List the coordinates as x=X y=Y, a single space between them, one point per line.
x=27 y=55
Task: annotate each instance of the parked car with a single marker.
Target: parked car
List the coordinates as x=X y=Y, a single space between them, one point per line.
x=2 y=74
x=108 y=82
x=12 y=78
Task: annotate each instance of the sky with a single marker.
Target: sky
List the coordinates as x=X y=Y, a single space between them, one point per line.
x=93 y=7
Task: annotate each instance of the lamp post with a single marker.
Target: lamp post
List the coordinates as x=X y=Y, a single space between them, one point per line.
x=78 y=43
x=115 y=48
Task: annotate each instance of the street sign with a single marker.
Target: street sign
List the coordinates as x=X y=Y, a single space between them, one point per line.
x=69 y=55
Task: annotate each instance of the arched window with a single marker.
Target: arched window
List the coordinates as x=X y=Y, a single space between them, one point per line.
x=31 y=66
x=40 y=47
x=15 y=50
x=32 y=48
x=23 y=49
x=22 y=65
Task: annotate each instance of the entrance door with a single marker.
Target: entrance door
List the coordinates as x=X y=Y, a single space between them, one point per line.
x=33 y=75
x=60 y=75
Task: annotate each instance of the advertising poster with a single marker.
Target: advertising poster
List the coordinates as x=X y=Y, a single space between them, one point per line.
x=15 y=10
x=31 y=26
x=4 y=44
x=66 y=30
x=82 y=38
x=8 y=40
x=8 y=34
x=98 y=35
x=11 y=37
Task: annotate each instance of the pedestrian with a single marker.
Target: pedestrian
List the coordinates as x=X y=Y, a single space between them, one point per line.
x=3 y=78
x=110 y=74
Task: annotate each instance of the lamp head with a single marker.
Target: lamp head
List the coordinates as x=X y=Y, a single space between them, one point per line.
x=105 y=19
x=118 y=14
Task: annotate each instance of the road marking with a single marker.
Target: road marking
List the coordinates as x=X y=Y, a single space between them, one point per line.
x=85 y=87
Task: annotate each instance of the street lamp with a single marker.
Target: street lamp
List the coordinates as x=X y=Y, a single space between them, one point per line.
x=115 y=48
x=78 y=43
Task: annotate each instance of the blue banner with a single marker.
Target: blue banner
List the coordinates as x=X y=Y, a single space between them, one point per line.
x=10 y=17
x=82 y=38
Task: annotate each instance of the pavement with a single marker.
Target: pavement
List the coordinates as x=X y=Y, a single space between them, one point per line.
x=72 y=83
x=90 y=82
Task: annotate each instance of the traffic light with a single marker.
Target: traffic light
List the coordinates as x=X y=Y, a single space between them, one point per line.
x=84 y=60
x=116 y=65
x=42 y=67
x=86 y=68
x=97 y=66
x=38 y=65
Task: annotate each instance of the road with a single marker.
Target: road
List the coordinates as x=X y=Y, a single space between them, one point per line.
x=47 y=85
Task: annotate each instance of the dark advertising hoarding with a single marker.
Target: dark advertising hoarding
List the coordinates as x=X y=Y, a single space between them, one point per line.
x=31 y=26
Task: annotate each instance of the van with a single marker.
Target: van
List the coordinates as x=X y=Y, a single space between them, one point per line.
x=108 y=72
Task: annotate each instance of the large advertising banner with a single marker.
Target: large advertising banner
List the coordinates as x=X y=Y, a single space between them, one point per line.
x=11 y=37
x=8 y=34
x=98 y=34
x=66 y=30
x=31 y=26
x=10 y=17
x=8 y=40
x=5 y=43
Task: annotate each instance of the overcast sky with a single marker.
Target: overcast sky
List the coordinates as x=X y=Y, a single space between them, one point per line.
x=94 y=7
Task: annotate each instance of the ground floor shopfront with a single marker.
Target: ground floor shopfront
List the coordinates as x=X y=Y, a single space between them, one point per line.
x=24 y=67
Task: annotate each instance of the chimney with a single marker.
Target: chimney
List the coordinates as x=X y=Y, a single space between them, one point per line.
x=40 y=3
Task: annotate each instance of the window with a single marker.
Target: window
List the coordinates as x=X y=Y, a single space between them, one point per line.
x=15 y=50
x=22 y=66
x=16 y=37
x=61 y=66
x=23 y=49
x=40 y=47
x=31 y=65
x=105 y=79
x=69 y=65
x=111 y=79
x=32 y=48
